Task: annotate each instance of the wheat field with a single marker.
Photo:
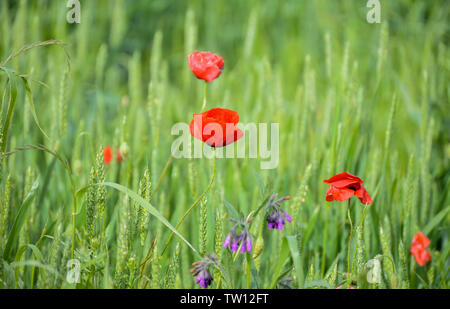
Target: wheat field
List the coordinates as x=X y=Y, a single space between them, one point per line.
x=370 y=99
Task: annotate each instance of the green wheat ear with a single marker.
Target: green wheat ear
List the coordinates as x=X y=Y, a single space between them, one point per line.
x=300 y=197
x=430 y=275
x=133 y=270
x=91 y=205
x=170 y=278
x=388 y=259
x=101 y=189
x=156 y=268
x=145 y=187
x=403 y=266
x=331 y=278
x=203 y=226
x=220 y=218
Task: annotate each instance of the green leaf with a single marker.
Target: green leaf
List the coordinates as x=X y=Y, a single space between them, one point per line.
x=435 y=221
x=309 y=228
x=19 y=221
x=37 y=253
x=233 y=210
x=10 y=112
x=284 y=255
x=30 y=101
x=38 y=264
x=297 y=259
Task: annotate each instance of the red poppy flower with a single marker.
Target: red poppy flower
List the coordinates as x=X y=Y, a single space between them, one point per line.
x=344 y=186
x=419 y=249
x=206 y=65
x=216 y=127
x=119 y=157
x=107 y=154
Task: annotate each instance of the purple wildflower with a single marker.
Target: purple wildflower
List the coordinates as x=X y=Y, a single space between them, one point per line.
x=201 y=270
x=276 y=216
x=204 y=279
x=285 y=282
x=238 y=241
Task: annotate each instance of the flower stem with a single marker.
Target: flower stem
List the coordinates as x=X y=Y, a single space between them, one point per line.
x=161 y=176
x=249 y=270
x=204 y=97
x=349 y=240
x=193 y=205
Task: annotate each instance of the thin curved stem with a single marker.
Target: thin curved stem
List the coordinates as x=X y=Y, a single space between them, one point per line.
x=193 y=205
x=161 y=177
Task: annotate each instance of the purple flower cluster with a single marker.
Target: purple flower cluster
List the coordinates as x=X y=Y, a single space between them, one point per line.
x=201 y=270
x=275 y=215
x=235 y=240
x=239 y=239
x=204 y=278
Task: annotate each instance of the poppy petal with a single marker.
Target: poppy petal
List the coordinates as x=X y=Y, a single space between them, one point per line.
x=216 y=127
x=421 y=239
x=344 y=179
x=363 y=196
x=107 y=154
x=223 y=115
x=339 y=194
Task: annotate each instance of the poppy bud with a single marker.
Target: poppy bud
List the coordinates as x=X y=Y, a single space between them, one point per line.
x=206 y=65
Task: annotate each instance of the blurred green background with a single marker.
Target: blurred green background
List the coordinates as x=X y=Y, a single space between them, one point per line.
x=369 y=99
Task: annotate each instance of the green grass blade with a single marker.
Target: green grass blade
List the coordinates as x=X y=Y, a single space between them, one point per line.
x=297 y=259
x=19 y=221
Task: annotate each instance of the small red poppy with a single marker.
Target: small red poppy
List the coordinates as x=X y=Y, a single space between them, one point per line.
x=119 y=157
x=107 y=154
x=216 y=127
x=419 y=249
x=344 y=186
x=205 y=65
